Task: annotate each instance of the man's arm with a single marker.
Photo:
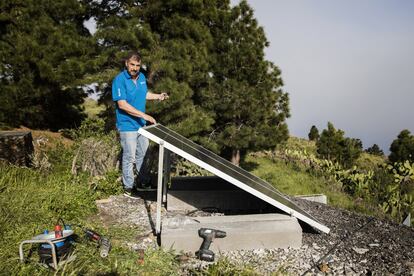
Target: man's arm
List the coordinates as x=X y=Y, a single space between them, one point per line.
x=154 y=96
x=125 y=106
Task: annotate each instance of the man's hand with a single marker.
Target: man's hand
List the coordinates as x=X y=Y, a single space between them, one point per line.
x=163 y=96
x=122 y=104
x=149 y=119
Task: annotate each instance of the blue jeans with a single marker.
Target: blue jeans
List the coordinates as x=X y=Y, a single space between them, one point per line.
x=134 y=148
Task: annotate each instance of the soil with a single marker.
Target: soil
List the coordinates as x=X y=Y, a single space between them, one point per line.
x=356 y=245
x=45 y=138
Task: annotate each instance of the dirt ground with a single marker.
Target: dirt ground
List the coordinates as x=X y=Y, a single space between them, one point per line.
x=356 y=245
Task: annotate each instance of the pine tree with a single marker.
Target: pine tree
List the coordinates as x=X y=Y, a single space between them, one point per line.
x=173 y=41
x=350 y=152
x=44 y=51
x=333 y=145
x=330 y=142
x=402 y=148
x=209 y=58
x=244 y=90
x=313 y=133
x=375 y=150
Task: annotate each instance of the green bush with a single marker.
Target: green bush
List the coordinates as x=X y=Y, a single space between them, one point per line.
x=391 y=187
x=398 y=199
x=90 y=127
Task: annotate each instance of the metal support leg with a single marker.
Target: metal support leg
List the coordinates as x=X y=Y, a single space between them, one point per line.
x=52 y=247
x=166 y=175
x=159 y=186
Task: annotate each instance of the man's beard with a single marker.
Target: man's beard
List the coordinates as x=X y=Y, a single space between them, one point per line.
x=133 y=73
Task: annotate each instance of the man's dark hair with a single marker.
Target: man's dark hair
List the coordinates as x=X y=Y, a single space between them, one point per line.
x=133 y=55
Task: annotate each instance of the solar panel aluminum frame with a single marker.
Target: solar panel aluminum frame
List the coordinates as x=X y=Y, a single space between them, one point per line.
x=231 y=179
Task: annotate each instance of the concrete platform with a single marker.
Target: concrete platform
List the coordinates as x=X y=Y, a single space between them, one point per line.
x=320 y=198
x=243 y=232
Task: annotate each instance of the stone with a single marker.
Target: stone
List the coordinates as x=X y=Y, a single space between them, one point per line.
x=360 y=250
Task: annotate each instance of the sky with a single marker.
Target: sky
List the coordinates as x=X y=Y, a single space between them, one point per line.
x=347 y=62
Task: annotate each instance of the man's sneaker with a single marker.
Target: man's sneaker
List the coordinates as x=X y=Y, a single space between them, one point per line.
x=130 y=193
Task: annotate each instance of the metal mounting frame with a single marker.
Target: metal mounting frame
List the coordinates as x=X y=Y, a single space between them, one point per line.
x=163 y=144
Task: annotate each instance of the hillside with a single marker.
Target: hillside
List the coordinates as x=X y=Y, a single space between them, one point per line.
x=357 y=244
x=33 y=199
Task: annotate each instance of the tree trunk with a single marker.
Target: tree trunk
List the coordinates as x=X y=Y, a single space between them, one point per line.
x=16 y=147
x=235 y=157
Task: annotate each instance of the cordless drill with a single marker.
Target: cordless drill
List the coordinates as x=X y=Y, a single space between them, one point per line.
x=208 y=234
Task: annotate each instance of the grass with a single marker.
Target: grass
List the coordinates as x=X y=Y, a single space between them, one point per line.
x=33 y=200
x=92 y=109
x=293 y=181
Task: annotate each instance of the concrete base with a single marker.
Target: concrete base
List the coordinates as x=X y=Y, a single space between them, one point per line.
x=243 y=232
x=320 y=198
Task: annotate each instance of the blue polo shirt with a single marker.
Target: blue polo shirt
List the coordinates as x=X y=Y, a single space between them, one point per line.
x=124 y=88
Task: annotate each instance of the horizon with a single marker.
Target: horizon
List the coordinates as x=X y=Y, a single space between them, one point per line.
x=351 y=61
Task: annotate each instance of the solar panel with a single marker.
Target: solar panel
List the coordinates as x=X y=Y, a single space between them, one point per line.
x=228 y=171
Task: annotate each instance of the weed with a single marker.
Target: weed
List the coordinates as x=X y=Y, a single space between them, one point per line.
x=225 y=267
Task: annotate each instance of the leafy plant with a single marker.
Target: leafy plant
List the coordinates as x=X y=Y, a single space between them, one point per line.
x=399 y=193
x=90 y=127
x=389 y=186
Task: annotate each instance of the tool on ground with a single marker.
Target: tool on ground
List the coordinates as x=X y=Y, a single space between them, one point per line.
x=104 y=243
x=208 y=235
x=62 y=250
x=54 y=248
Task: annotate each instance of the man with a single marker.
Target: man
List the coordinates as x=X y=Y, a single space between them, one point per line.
x=129 y=92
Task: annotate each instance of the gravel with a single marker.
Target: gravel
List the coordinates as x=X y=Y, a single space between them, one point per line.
x=356 y=245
